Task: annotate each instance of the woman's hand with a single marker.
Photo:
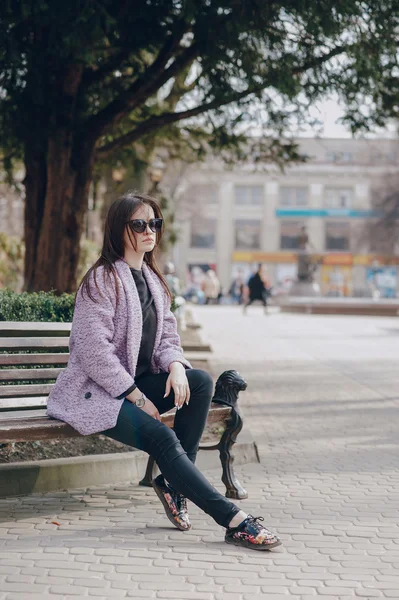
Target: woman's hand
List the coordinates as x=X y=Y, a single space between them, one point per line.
x=151 y=410
x=148 y=407
x=179 y=382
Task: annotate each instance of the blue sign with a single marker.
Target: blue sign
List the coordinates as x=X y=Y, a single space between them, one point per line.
x=326 y=212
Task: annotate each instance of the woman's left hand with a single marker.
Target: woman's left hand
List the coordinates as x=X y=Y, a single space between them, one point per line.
x=178 y=381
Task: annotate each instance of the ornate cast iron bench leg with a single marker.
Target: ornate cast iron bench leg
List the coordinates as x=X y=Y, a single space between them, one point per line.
x=149 y=473
x=233 y=487
x=227 y=388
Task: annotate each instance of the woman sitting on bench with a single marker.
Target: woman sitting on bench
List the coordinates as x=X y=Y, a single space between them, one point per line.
x=126 y=367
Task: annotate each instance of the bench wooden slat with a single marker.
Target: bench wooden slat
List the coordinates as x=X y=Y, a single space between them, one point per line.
x=22 y=403
x=16 y=343
x=43 y=428
x=21 y=374
x=60 y=358
x=40 y=411
x=34 y=428
x=19 y=329
x=40 y=326
x=34 y=389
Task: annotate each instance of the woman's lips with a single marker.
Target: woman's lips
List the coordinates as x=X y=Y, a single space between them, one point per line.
x=148 y=240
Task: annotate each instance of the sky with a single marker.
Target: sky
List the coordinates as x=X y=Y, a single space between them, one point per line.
x=329 y=112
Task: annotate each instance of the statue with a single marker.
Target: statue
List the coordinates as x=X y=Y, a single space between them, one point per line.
x=306 y=267
x=305 y=285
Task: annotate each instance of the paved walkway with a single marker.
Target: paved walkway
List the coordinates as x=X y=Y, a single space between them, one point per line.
x=323 y=405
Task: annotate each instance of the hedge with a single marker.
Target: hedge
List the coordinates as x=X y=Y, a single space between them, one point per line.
x=38 y=306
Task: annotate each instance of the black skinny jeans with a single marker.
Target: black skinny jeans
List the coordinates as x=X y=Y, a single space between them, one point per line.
x=175 y=450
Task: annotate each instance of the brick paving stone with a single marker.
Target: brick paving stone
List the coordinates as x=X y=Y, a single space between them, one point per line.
x=321 y=403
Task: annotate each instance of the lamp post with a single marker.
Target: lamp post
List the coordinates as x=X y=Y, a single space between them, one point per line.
x=157 y=169
x=118 y=173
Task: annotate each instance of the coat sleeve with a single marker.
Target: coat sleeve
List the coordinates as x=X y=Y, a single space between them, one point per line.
x=93 y=330
x=169 y=349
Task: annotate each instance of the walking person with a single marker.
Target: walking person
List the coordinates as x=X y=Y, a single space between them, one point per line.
x=236 y=290
x=211 y=287
x=257 y=290
x=126 y=367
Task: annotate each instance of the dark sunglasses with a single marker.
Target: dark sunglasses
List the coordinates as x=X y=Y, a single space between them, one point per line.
x=139 y=225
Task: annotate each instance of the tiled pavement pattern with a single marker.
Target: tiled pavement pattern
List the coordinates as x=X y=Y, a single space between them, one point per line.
x=323 y=405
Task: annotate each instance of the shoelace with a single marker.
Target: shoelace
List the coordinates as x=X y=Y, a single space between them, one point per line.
x=182 y=500
x=254 y=522
x=179 y=498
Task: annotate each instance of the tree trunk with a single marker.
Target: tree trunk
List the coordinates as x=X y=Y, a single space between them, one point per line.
x=58 y=202
x=59 y=167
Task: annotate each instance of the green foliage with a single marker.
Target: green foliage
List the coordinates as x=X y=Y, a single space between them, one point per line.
x=12 y=251
x=11 y=261
x=82 y=82
x=37 y=306
x=89 y=253
x=101 y=71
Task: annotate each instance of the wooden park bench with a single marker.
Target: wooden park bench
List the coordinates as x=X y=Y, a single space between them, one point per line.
x=32 y=355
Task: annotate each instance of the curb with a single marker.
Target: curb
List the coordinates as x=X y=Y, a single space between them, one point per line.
x=17 y=479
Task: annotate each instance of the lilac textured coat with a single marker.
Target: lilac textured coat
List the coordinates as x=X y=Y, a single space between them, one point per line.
x=104 y=346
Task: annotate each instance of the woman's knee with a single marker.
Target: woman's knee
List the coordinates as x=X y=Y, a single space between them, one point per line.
x=200 y=380
x=161 y=440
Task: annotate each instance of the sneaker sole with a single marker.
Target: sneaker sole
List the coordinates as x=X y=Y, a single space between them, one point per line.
x=167 y=509
x=259 y=547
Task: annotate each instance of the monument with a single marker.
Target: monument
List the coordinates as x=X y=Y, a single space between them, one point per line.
x=305 y=284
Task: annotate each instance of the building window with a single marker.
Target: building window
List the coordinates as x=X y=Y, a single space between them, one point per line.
x=203 y=233
x=289 y=233
x=338 y=198
x=338 y=236
x=249 y=195
x=247 y=234
x=203 y=194
x=293 y=196
x=338 y=157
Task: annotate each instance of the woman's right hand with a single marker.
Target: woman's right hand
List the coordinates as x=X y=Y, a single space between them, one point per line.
x=148 y=407
x=151 y=410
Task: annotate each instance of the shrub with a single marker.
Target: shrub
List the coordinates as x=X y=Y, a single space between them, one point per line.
x=36 y=306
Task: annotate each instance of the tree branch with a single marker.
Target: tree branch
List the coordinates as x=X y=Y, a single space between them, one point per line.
x=145 y=86
x=156 y=122
x=93 y=76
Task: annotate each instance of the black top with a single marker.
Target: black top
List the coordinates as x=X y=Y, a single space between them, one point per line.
x=149 y=327
x=256 y=287
x=149 y=323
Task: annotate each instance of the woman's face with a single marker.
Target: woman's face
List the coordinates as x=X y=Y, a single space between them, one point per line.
x=144 y=242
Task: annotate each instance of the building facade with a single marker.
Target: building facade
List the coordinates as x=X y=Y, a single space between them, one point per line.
x=233 y=219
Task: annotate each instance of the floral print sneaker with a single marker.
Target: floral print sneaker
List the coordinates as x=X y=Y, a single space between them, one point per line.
x=251 y=534
x=175 y=504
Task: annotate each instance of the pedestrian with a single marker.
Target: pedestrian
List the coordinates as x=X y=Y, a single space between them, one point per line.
x=258 y=289
x=237 y=290
x=211 y=287
x=126 y=367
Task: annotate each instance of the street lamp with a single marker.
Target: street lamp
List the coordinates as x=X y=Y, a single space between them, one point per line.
x=157 y=169
x=118 y=173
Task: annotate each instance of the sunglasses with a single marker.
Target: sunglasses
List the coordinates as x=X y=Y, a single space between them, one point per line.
x=139 y=225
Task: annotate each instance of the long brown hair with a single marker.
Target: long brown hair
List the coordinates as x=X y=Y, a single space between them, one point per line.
x=119 y=213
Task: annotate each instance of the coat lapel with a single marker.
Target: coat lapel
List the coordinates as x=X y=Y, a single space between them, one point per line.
x=134 y=315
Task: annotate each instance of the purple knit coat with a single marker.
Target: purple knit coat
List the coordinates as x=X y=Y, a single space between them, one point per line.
x=104 y=347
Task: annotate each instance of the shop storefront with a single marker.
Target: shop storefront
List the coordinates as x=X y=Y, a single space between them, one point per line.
x=339 y=275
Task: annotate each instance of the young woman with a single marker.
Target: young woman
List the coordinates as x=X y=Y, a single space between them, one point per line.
x=126 y=367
